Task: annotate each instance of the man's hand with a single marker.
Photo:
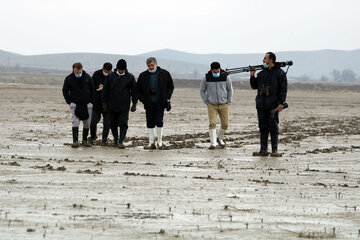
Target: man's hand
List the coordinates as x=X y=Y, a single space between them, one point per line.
x=105 y=107
x=100 y=87
x=279 y=108
x=252 y=72
x=133 y=107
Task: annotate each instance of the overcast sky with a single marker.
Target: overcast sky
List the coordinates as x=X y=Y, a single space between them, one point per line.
x=198 y=26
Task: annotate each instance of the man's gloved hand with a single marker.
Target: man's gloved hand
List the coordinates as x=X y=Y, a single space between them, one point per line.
x=133 y=107
x=105 y=107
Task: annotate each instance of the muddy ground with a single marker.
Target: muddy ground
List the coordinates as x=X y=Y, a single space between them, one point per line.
x=51 y=191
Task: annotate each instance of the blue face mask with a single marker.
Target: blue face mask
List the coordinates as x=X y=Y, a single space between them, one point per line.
x=266 y=65
x=78 y=75
x=152 y=71
x=216 y=75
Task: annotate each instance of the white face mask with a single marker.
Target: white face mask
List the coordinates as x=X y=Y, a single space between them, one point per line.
x=105 y=74
x=120 y=74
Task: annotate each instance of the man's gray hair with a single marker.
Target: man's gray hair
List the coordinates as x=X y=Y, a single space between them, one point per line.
x=151 y=59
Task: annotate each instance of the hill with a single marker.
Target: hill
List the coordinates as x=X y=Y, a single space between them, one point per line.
x=324 y=65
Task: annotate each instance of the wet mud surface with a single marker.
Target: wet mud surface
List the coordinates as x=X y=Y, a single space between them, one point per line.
x=52 y=191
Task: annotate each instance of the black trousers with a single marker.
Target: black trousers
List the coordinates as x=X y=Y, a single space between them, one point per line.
x=96 y=117
x=268 y=123
x=154 y=115
x=119 y=119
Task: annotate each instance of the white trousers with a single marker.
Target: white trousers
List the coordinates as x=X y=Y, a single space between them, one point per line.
x=76 y=120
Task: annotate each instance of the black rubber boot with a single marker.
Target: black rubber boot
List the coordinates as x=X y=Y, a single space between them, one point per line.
x=122 y=137
x=274 y=146
x=264 y=142
x=116 y=136
x=93 y=136
x=263 y=145
x=105 y=135
x=75 y=133
x=85 y=135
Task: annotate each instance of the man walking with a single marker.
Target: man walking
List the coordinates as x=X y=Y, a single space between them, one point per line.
x=155 y=87
x=216 y=91
x=99 y=78
x=78 y=91
x=271 y=85
x=118 y=89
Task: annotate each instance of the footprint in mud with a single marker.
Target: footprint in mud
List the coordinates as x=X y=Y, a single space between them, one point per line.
x=50 y=168
x=146 y=175
x=88 y=171
x=146 y=215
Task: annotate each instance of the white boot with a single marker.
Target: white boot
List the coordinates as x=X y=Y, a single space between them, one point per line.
x=151 y=139
x=159 y=132
x=212 y=133
x=220 y=136
x=155 y=135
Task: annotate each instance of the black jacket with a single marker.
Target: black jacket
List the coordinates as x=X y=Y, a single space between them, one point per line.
x=98 y=78
x=79 y=90
x=117 y=91
x=276 y=82
x=165 y=87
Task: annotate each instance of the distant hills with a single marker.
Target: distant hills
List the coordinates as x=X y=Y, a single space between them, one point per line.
x=322 y=65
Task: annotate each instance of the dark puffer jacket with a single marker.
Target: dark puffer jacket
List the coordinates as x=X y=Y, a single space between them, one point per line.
x=165 y=87
x=276 y=82
x=118 y=90
x=79 y=90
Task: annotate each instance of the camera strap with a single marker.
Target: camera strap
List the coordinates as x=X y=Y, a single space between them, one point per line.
x=287 y=69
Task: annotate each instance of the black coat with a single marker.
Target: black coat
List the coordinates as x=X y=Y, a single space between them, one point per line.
x=165 y=87
x=98 y=78
x=275 y=79
x=118 y=90
x=79 y=90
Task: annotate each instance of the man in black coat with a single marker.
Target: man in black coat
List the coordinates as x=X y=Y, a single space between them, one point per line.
x=154 y=88
x=79 y=92
x=117 y=90
x=271 y=85
x=99 y=78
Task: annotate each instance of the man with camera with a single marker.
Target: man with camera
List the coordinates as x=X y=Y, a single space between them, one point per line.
x=154 y=88
x=271 y=85
x=118 y=88
x=216 y=91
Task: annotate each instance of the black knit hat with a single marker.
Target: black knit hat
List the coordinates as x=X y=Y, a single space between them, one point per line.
x=121 y=64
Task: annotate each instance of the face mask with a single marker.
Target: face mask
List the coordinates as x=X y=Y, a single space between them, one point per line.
x=105 y=74
x=216 y=75
x=120 y=74
x=266 y=65
x=152 y=71
x=78 y=75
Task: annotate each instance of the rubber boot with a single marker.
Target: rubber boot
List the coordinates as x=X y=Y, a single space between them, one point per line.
x=159 y=133
x=212 y=133
x=85 y=143
x=75 y=133
x=105 y=135
x=122 y=137
x=93 y=136
x=274 y=146
x=115 y=134
x=219 y=138
x=263 y=145
x=151 y=139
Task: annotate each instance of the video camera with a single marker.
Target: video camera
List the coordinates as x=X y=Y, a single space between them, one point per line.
x=229 y=71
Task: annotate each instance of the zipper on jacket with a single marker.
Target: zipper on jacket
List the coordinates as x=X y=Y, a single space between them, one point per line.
x=217 y=94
